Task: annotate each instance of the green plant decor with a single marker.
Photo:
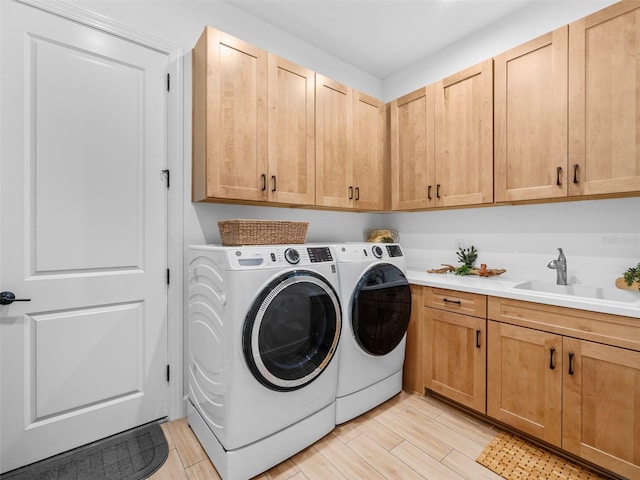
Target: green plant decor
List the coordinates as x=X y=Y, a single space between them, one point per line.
x=632 y=275
x=468 y=257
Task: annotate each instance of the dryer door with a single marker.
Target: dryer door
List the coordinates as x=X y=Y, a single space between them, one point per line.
x=292 y=330
x=381 y=309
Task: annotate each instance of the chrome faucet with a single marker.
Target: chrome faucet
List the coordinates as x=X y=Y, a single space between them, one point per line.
x=560 y=266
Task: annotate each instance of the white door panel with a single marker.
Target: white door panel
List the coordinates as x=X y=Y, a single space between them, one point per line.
x=83 y=235
x=75 y=228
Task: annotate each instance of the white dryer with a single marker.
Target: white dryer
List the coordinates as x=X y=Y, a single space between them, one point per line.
x=376 y=300
x=264 y=326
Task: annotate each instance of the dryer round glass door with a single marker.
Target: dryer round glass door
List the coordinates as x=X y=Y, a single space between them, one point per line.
x=292 y=330
x=381 y=309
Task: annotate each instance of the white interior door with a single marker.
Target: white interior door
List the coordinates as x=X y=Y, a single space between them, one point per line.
x=83 y=235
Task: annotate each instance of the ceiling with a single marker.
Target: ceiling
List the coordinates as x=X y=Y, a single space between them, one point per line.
x=380 y=37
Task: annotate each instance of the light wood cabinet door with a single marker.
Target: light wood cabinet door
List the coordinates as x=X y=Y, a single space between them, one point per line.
x=413 y=352
x=464 y=137
x=531 y=119
x=412 y=150
x=334 y=146
x=290 y=177
x=524 y=380
x=369 y=166
x=601 y=407
x=229 y=118
x=455 y=357
x=604 y=99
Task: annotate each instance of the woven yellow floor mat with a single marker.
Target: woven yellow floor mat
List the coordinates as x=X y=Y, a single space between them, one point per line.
x=515 y=459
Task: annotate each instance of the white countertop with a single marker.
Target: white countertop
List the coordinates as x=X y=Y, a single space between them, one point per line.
x=504 y=287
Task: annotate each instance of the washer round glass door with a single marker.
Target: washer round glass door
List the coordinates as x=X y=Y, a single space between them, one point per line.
x=292 y=330
x=381 y=309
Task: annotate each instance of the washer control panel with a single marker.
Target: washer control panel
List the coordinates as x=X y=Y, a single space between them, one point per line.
x=261 y=256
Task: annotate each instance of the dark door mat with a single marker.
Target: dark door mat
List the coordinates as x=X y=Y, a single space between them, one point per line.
x=131 y=455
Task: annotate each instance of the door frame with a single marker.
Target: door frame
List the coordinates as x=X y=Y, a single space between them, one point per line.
x=175 y=163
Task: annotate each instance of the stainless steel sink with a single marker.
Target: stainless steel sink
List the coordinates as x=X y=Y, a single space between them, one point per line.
x=583 y=291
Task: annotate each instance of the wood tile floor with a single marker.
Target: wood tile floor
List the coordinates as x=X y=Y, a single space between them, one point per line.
x=408 y=437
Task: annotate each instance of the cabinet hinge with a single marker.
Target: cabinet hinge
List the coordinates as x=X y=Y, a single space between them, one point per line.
x=168 y=276
x=168 y=373
x=167 y=173
x=168 y=82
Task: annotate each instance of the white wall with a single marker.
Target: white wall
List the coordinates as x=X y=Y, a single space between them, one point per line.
x=534 y=19
x=600 y=238
x=182 y=22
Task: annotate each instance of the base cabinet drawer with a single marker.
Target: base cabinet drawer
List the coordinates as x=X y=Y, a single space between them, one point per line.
x=454 y=301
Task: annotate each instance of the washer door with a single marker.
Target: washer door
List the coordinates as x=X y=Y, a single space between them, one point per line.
x=381 y=309
x=292 y=330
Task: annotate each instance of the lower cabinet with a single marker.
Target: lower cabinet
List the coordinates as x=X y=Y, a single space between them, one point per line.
x=568 y=377
x=455 y=357
x=524 y=380
x=575 y=393
x=454 y=340
x=601 y=405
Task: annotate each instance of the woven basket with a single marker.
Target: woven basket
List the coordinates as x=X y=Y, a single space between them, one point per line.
x=261 y=232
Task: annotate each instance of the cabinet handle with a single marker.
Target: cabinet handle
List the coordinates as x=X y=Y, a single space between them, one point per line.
x=457 y=302
x=551 y=352
x=570 y=372
x=429 y=192
x=575 y=173
x=264 y=182
x=273 y=179
x=558 y=172
x=350 y=193
x=438 y=190
x=477 y=338
x=357 y=193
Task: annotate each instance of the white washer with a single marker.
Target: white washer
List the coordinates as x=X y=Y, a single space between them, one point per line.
x=376 y=300
x=264 y=325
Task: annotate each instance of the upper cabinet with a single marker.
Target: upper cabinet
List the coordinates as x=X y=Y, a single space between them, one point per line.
x=268 y=130
x=350 y=147
x=334 y=146
x=464 y=137
x=370 y=168
x=253 y=124
x=604 y=101
x=555 y=117
x=229 y=118
x=566 y=110
x=413 y=150
x=531 y=119
x=442 y=142
x=291 y=149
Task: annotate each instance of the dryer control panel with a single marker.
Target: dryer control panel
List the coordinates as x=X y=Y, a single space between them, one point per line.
x=350 y=252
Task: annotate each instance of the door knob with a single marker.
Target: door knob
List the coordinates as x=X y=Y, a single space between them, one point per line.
x=7 y=298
